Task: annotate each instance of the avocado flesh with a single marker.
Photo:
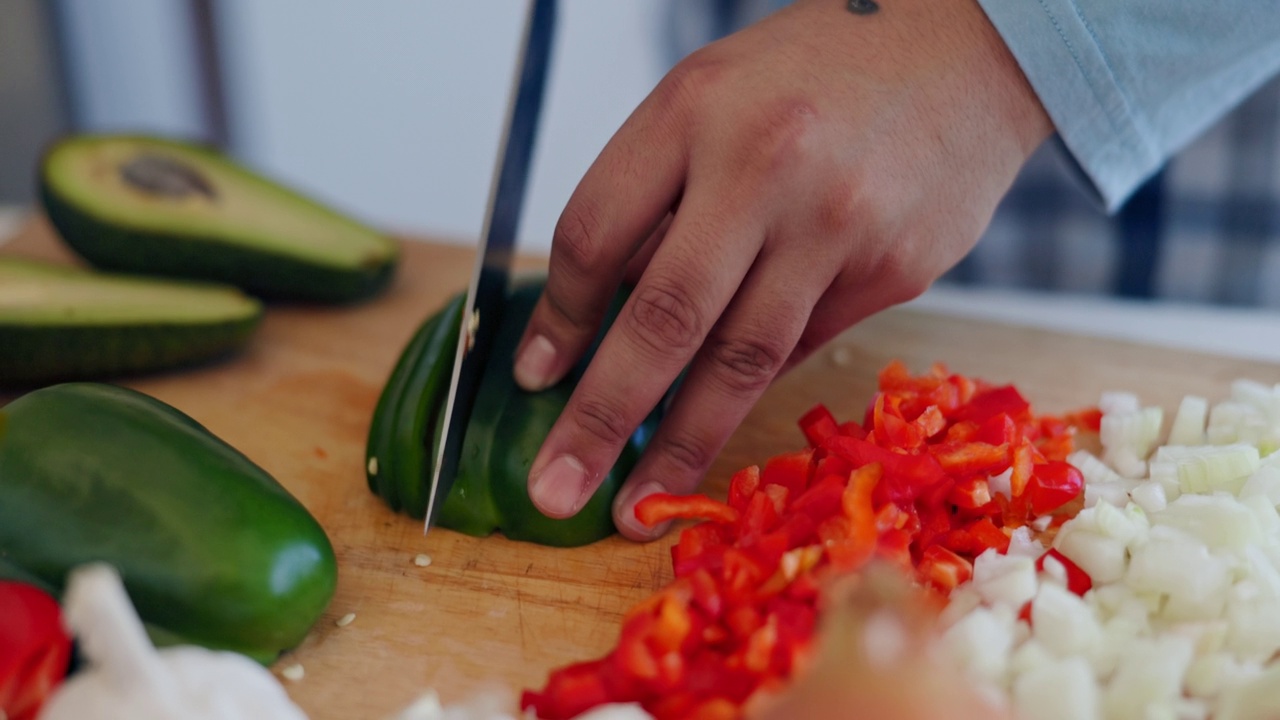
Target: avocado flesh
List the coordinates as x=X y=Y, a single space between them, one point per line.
x=114 y=199
x=59 y=323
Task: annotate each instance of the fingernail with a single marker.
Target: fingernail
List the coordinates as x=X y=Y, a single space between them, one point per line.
x=628 y=524
x=533 y=367
x=559 y=489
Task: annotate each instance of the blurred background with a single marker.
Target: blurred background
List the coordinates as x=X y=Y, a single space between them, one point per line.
x=391 y=110
x=388 y=109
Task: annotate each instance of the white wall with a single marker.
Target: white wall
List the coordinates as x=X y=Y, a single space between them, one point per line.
x=389 y=109
x=130 y=65
x=392 y=109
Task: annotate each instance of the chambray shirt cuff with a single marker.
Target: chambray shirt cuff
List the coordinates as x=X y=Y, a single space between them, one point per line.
x=1098 y=124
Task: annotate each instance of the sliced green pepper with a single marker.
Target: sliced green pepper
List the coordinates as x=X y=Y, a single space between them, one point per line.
x=408 y=410
x=506 y=427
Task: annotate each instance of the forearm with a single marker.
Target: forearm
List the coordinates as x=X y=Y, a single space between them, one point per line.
x=1128 y=84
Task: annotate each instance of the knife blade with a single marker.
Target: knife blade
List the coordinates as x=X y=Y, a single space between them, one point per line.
x=495 y=251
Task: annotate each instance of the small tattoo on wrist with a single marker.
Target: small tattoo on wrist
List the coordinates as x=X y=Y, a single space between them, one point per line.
x=863 y=7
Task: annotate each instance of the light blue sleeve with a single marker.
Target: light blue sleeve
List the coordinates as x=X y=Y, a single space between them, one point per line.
x=1128 y=83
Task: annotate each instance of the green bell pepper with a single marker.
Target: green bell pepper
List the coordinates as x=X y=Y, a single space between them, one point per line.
x=506 y=427
x=212 y=550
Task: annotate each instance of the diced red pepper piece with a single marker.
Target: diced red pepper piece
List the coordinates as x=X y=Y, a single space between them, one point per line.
x=850 y=538
x=818 y=424
x=853 y=429
x=966 y=389
x=906 y=476
x=895 y=546
x=961 y=432
x=988 y=536
x=1023 y=460
x=34 y=649
x=930 y=422
x=790 y=470
x=778 y=496
x=1056 y=448
x=890 y=429
x=985 y=405
x=999 y=429
x=944 y=569
x=760 y=517
x=742 y=486
x=1078 y=581
x=832 y=465
x=935 y=521
x=896 y=376
x=701 y=546
x=713 y=709
x=822 y=499
x=971 y=458
x=742 y=575
x=891 y=517
x=1052 y=485
x=661 y=507
x=1089 y=419
x=706 y=595
x=570 y=691
x=971 y=493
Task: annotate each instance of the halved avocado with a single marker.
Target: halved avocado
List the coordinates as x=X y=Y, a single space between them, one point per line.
x=61 y=323
x=158 y=206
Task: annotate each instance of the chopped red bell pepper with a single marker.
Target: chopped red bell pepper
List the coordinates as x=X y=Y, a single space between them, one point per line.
x=34 y=649
x=971 y=458
x=1086 y=419
x=790 y=470
x=1002 y=400
x=661 y=507
x=971 y=493
x=1078 y=581
x=818 y=424
x=742 y=486
x=944 y=569
x=1052 y=485
x=910 y=485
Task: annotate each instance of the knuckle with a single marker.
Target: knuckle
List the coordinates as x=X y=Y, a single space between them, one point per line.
x=783 y=136
x=690 y=80
x=577 y=238
x=665 y=318
x=838 y=211
x=602 y=420
x=747 y=365
x=688 y=453
x=901 y=278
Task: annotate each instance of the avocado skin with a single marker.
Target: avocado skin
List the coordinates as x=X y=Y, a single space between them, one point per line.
x=212 y=550
x=36 y=353
x=265 y=274
x=31 y=355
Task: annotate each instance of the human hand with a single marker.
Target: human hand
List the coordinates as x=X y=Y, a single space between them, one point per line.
x=775 y=188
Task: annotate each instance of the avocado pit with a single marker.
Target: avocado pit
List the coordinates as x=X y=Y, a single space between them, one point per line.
x=165 y=176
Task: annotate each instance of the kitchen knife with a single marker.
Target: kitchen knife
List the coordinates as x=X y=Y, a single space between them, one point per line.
x=489 y=277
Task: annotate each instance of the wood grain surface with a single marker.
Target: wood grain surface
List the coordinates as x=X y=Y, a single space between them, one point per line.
x=493 y=613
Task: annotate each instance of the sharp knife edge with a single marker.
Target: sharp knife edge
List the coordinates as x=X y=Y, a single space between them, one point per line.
x=487 y=289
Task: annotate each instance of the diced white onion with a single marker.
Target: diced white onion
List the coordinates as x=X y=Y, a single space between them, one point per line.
x=1182 y=546
x=1188 y=423
x=1058 y=690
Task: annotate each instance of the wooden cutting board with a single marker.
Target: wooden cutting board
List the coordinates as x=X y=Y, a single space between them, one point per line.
x=492 y=613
